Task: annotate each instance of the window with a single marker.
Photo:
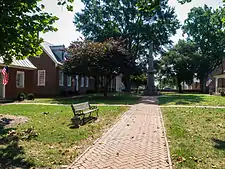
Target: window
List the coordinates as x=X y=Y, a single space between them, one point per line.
x=20 y=79
x=87 y=81
x=41 y=77
x=61 y=78
x=69 y=79
x=82 y=82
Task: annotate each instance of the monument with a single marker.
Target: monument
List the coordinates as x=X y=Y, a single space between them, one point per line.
x=150 y=89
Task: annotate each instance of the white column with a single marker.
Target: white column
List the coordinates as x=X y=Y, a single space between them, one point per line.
x=216 y=84
x=77 y=82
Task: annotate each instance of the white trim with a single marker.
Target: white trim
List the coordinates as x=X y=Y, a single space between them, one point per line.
x=48 y=51
x=3 y=87
x=216 y=84
x=61 y=81
x=77 y=82
x=18 y=67
x=87 y=82
x=23 y=79
x=222 y=76
x=3 y=91
x=43 y=84
x=82 y=82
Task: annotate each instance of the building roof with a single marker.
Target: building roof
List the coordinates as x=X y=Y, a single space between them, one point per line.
x=23 y=64
x=56 y=53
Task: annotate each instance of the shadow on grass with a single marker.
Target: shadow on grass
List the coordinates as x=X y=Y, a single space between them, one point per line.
x=219 y=144
x=11 y=154
x=180 y=99
x=77 y=122
x=97 y=99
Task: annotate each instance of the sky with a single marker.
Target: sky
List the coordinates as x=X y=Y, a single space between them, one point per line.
x=67 y=31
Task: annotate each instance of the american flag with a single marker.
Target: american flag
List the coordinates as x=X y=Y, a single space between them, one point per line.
x=5 y=74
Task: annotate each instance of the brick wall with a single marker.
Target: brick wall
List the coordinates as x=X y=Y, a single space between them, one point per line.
x=11 y=91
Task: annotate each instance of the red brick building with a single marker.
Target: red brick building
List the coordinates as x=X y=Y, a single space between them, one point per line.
x=43 y=76
x=21 y=78
x=50 y=79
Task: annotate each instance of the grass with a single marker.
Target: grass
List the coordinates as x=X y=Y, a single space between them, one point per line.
x=126 y=99
x=196 y=137
x=191 y=99
x=47 y=140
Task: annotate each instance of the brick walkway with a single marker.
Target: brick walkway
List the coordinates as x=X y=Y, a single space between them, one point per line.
x=136 y=141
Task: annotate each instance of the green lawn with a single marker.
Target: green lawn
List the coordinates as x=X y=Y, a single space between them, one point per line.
x=126 y=99
x=191 y=99
x=196 y=137
x=48 y=139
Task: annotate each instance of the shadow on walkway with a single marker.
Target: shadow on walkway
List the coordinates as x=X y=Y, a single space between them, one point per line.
x=149 y=100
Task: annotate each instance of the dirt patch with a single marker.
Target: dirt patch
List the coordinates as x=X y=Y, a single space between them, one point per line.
x=10 y=120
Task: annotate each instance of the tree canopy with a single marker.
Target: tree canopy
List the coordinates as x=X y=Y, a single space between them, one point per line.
x=180 y=62
x=108 y=59
x=20 y=24
x=205 y=29
x=100 y=20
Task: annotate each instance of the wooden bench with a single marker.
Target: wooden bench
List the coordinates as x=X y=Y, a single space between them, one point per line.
x=82 y=109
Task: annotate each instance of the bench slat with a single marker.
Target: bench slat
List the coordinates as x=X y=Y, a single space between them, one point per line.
x=81 y=106
x=89 y=111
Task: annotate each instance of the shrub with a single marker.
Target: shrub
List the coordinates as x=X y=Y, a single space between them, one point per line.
x=30 y=96
x=90 y=92
x=21 y=97
x=63 y=93
x=222 y=94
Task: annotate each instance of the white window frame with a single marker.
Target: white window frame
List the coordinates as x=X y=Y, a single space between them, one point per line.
x=3 y=86
x=87 y=82
x=69 y=81
x=82 y=82
x=61 y=81
x=43 y=83
x=23 y=75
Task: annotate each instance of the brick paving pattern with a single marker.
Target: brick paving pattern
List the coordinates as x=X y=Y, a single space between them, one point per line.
x=136 y=141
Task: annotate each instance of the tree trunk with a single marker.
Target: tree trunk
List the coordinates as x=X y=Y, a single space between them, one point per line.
x=108 y=81
x=203 y=84
x=179 y=85
x=127 y=83
x=137 y=88
x=97 y=83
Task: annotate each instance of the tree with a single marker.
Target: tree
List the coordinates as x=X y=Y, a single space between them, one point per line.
x=103 y=19
x=139 y=80
x=95 y=59
x=204 y=27
x=20 y=24
x=180 y=62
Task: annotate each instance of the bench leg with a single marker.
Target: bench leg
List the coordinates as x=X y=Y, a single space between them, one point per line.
x=97 y=113
x=90 y=115
x=83 y=118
